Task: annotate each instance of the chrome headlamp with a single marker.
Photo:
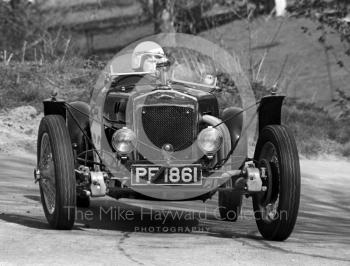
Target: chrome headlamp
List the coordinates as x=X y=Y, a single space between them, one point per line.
x=124 y=141
x=209 y=140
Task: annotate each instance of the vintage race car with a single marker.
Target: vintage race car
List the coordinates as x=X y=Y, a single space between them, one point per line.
x=163 y=131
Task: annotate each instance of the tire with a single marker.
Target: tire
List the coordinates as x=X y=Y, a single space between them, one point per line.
x=276 y=209
x=56 y=166
x=230 y=203
x=83 y=202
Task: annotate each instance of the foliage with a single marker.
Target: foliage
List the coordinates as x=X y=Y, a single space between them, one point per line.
x=316 y=132
x=25 y=33
x=30 y=82
x=333 y=16
x=332 y=13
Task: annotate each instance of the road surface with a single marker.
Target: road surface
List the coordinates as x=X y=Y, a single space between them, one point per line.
x=130 y=232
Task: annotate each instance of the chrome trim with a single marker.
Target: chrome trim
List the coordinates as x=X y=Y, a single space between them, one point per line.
x=226 y=145
x=165 y=91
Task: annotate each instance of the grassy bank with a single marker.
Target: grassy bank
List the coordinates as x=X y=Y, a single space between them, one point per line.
x=316 y=131
x=29 y=83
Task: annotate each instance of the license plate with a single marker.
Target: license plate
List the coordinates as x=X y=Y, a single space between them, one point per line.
x=160 y=175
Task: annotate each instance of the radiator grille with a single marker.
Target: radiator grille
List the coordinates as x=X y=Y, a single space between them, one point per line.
x=173 y=125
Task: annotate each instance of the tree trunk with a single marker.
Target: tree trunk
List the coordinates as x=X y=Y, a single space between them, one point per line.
x=163 y=14
x=15 y=3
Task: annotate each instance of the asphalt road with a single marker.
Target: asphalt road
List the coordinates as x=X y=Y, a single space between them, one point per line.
x=130 y=232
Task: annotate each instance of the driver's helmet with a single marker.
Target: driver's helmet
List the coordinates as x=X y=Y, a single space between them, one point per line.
x=145 y=56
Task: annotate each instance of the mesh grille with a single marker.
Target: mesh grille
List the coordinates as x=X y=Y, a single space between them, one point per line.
x=173 y=125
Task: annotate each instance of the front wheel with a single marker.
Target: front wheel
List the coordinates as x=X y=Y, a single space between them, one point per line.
x=276 y=209
x=57 y=176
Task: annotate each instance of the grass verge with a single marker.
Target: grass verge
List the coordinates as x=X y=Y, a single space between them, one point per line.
x=29 y=83
x=317 y=132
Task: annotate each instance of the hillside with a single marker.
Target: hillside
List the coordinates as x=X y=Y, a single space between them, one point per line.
x=305 y=74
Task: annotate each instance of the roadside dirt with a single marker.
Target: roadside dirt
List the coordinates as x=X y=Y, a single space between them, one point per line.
x=18 y=130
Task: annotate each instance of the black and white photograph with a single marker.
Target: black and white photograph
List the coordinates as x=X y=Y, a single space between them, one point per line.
x=174 y=132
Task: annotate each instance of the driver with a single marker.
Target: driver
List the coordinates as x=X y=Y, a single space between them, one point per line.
x=145 y=57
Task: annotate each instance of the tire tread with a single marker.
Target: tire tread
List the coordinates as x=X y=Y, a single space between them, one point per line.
x=289 y=198
x=63 y=216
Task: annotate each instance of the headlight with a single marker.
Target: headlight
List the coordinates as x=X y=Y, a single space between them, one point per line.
x=209 y=140
x=124 y=141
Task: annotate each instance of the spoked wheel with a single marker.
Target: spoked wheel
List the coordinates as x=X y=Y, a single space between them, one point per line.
x=230 y=203
x=276 y=209
x=57 y=176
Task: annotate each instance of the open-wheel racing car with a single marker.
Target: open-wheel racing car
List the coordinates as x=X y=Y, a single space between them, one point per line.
x=156 y=130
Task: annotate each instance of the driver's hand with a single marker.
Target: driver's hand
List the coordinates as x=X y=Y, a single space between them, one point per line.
x=209 y=79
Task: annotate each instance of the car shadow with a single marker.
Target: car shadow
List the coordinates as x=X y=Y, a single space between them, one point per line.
x=110 y=214
x=25 y=220
x=118 y=215
x=121 y=216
